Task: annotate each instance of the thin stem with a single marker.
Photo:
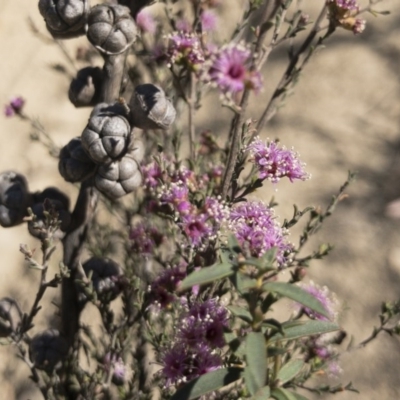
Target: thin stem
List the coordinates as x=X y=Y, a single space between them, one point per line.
x=288 y=75
x=239 y=118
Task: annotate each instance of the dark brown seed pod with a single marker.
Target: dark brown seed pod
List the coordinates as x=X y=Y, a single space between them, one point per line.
x=48 y=349
x=111 y=28
x=85 y=88
x=14 y=198
x=74 y=164
x=54 y=202
x=107 y=135
x=122 y=176
x=10 y=316
x=150 y=108
x=65 y=18
x=106 y=276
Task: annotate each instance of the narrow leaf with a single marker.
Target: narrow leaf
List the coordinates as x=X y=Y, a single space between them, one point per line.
x=208 y=383
x=307 y=328
x=298 y=396
x=243 y=283
x=290 y=370
x=297 y=294
x=262 y=394
x=256 y=357
x=251 y=384
x=241 y=313
x=207 y=275
x=282 y=394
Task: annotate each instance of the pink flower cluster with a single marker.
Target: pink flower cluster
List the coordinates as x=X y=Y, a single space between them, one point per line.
x=274 y=162
x=199 y=332
x=256 y=229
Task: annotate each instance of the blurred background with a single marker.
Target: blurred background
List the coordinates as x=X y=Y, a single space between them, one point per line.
x=344 y=115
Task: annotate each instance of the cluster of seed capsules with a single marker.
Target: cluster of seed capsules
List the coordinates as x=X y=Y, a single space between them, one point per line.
x=108 y=149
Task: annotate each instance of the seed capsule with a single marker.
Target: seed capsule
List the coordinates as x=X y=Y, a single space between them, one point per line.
x=14 y=198
x=150 y=108
x=74 y=164
x=111 y=28
x=10 y=316
x=85 y=88
x=65 y=18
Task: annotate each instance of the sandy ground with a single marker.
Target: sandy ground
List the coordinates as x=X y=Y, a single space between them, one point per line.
x=343 y=116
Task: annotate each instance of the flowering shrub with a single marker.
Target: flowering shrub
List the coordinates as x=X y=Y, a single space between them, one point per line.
x=185 y=294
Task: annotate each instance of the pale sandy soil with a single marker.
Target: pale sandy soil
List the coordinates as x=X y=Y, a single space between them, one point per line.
x=343 y=116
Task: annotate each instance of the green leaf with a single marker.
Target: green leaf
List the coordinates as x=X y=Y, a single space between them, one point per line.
x=282 y=394
x=256 y=358
x=262 y=394
x=297 y=294
x=241 y=313
x=290 y=370
x=251 y=384
x=243 y=283
x=307 y=328
x=207 y=275
x=207 y=383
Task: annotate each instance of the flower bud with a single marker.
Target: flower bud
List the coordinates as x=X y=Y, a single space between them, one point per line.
x=74 y=164
x=106 y=276
x=111 y=28
x=121 y=372
x=64 y=18
x=14 y=198
x=107 y=134
x=48 y=349
x=10 y=316
x=150 y=108
x=53 y=201
x=85 y=88
x=122 y=176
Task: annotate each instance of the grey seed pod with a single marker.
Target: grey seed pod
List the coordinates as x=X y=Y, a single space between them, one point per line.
x=111 y=28
x=150 y=108
x=85 y=88
x=74 y=164
x=107 y=134
x=106 y=276
x=122 y=176
x=14 y=198
x=48 y=349
x=51 y=200
x=65 y=18
x=10 y=316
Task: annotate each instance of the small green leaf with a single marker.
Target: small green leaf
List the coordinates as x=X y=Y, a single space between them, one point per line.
x=297 y=294
x=207 y=275
x=282 y=394
x=307 y=328
x=262 y=394
x=290 y=370
x=251 y=384
x=241 y=313
x=256 y=358
x=243 y=283
x=207 y=383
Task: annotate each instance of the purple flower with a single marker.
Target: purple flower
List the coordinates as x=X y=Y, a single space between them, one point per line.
x=255 y=227
x=185 y=49
x=162 y=289
x=152 y=173
x=14 y=106
x=324 y=296
x=208 y=20
x=204 y=323
x=176 y=196
x=274 y=162
x=183 y=25
x=183 y=363
x=230 y=70
x=120 y=371
x=343 y=13
x=196 y=228
x=144 y=238
x=146 y=22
